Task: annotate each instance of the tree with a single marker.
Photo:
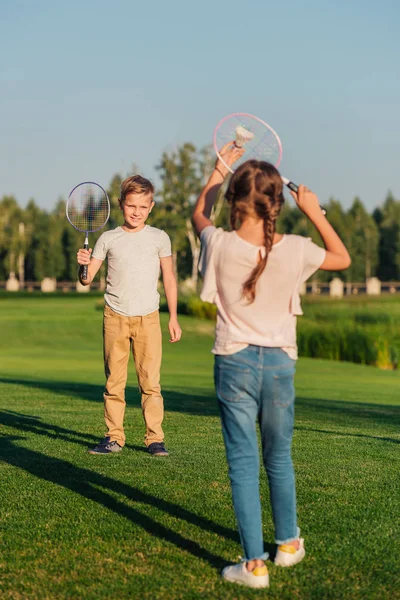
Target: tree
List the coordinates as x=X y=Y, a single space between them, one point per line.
x=342 y=224
x=182 y=175
x=387 y=219
x=113 y=193
x=10 y=237
x=362 y=242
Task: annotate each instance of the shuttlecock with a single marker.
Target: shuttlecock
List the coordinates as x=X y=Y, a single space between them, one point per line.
x=243 y=136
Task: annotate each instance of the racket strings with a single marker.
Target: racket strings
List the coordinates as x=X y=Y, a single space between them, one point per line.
x=88 y=209
x=263 y=145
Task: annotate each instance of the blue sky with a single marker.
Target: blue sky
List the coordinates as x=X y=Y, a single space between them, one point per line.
x=87 y=88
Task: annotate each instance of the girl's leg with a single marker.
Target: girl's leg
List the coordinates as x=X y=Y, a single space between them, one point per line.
x=276 y=424
x=236 y=381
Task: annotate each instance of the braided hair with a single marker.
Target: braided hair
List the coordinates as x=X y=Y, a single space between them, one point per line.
x=255 y=190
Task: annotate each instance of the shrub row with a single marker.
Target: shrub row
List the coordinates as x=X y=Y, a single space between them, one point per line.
x=359 y=317
x=348 y=343
x=192 y=305
x=343 y=336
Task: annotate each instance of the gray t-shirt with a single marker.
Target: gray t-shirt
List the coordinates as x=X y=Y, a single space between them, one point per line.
x=133 y=268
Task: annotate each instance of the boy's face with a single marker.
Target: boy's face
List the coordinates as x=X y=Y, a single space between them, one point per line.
x=136 y=208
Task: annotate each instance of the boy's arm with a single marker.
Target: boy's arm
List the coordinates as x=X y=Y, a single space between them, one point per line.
x=94 y=264
x=171 y=293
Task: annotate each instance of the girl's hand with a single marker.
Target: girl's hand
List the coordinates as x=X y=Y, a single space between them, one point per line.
x=83 y=256
x=307 y=201
x=174 y=330
x=230 y=154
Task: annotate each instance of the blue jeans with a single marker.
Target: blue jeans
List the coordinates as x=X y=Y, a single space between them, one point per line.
x=257 y=385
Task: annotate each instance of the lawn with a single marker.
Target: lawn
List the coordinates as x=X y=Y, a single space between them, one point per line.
x=74 y=525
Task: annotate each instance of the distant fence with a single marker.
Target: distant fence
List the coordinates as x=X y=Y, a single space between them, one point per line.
x=335 y=288
x=49 y=285
x=338 y=288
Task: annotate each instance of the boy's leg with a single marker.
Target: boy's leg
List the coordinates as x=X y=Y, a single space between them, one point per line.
x=276 y=424
x=236 y=383
x=147 y=353
x=116 y=356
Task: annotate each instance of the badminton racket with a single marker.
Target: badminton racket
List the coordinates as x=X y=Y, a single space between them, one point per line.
x=259 y=139
x=88 y=210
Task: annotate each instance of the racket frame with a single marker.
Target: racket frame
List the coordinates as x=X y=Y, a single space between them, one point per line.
x=290 y=184
x=242 y=114
x=84 y=272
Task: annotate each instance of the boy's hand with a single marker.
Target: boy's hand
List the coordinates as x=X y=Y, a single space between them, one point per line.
x=83 y=256
x=174 y=330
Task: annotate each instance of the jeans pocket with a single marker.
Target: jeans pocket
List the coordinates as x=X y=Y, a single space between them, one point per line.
x=232 y=384
x=283 y=393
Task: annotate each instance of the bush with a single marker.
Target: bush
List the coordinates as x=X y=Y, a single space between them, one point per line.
x=203 y=310
x=182 y=306
x=192 y=305
x=367 y=318
x=348 y=343
x=362 y=337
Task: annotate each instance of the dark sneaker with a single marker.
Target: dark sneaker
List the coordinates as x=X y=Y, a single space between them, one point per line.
x=157 y=449
x=106 y=447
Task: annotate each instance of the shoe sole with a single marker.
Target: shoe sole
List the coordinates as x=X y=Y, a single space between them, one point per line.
x=103 y=453
x=240 y=582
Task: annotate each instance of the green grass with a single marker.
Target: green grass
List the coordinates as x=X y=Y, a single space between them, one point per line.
x=74 y=525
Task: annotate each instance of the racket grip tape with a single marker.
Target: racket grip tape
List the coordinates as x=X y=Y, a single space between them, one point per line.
x=292 y=186
x=85 y=267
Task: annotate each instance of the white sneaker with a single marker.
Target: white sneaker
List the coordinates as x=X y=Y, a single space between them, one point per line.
x=288 y=556
x=258 y=578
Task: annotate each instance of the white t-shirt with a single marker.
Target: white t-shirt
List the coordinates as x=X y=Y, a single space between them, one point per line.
x=133 y=268
x=227 y=260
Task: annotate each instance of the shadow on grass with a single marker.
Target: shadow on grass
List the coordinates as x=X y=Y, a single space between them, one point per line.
x=345 y=434
x=36 y=425
x=81 y=481
x=195 y=403
x=335 y=411
x=198 y=402
x=96 y=488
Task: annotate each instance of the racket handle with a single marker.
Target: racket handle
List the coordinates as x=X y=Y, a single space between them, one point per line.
x=295 y=188
x=85 y=267
x=292 y=186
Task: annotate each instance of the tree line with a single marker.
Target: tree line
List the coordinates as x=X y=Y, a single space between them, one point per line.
x=35 y=243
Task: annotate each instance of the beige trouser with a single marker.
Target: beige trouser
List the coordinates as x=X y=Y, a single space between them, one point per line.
x=143 y=335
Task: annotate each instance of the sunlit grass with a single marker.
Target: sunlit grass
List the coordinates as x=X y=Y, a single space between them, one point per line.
x=130 y=526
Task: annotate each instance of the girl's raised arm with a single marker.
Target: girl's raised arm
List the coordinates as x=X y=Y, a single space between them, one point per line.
x=337 y=258
x=206 y=200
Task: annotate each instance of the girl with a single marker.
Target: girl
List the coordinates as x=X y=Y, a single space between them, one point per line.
x=254 y=275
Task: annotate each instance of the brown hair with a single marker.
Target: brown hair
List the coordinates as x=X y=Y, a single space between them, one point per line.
x=255 y=190
x=135 y=185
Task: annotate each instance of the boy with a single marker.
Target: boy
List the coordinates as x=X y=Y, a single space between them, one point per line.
x=135 y=252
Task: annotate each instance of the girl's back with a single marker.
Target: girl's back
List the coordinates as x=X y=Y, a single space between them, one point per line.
x=270 y=320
